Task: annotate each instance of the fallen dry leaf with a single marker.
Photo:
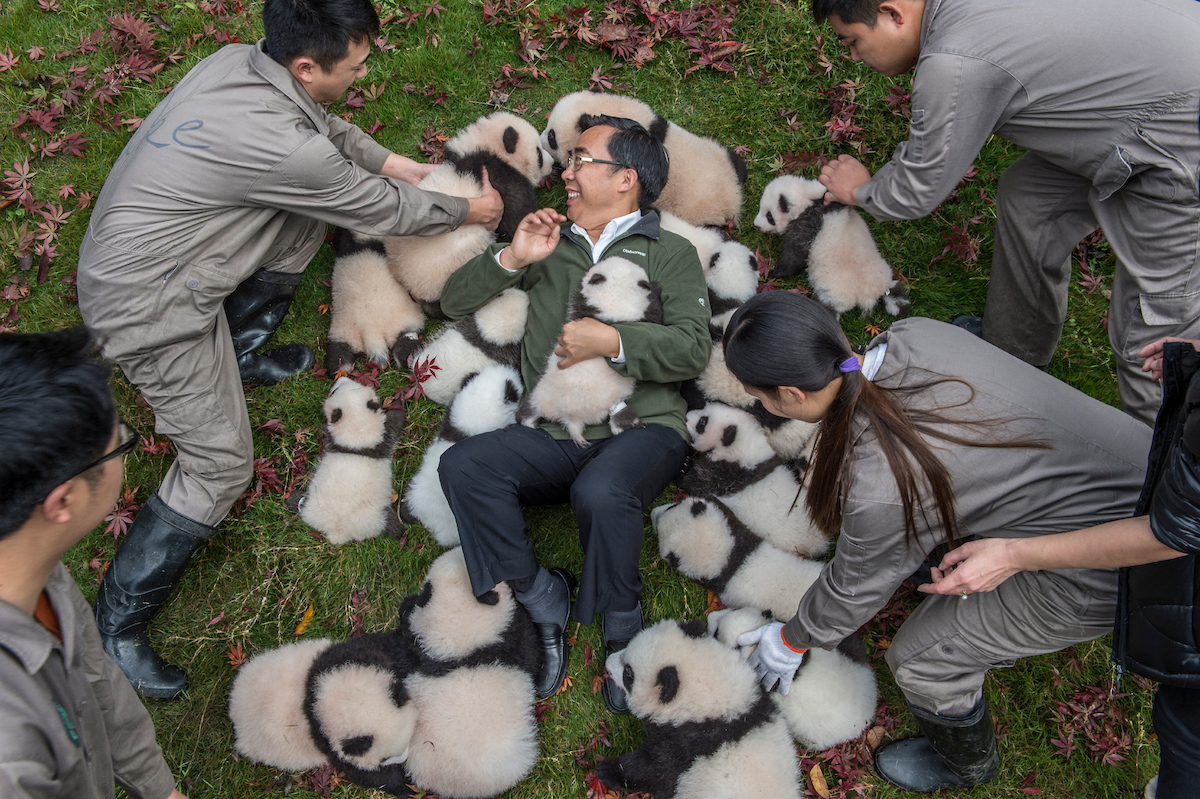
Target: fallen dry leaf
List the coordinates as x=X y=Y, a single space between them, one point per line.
x=816 y=782
x=304 y=622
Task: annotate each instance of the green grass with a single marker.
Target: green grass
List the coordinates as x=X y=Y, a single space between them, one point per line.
x=264 y=568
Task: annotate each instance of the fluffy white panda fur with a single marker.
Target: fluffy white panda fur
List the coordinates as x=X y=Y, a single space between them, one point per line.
x=487 y=401
x=704 y=183
x=711 y=731
x=833 y=697
x=266 y=706
x=505 y=145
x=371 y=313
x=588 y=392
x=706 y=542
x=349 y=496
x=833 y=242
x=737 y=465
x=492 y=335
x=732 y=277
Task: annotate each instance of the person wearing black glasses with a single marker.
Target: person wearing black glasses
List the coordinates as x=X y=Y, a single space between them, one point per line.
x=614 y=175
x=73 y=726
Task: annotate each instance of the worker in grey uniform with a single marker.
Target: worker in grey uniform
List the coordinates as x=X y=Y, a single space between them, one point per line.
x=1105 y=97
x=195 y=248
x=931 y=437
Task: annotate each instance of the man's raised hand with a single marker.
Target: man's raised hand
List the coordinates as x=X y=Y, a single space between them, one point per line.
x=535 y=239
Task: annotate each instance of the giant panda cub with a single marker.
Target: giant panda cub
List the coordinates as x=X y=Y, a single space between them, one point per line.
x=833 y=242
x=833 y=697
x=588 y=392
x=705 y=178
x=706 y=542
x=490 y=336
x=487 y=401
x=505 y=145
x=371 y=313
x=711 y=731
x=737 y=465
x=444 y=702
x=730 y=269
x=349 y=496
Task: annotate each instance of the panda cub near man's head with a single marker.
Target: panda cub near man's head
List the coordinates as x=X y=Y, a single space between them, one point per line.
x=833 y=243
x=588 y=392
x=488 y=401
x=711 y=731
x=490 y=336
x=514 y=168
x=349 y=496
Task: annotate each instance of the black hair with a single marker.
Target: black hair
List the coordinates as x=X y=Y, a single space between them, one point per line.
x=56 y=416
x=319 y=29
x=634 y=147
x=848 y=11
x=784 y=339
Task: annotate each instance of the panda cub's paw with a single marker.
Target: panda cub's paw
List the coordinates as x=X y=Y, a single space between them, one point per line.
x=623 y=418
x=611 y=772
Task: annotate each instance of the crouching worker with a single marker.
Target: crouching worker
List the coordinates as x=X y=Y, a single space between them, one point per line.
x=613 y=177
x=72 y=725
x=195 y=249
x=931 y=436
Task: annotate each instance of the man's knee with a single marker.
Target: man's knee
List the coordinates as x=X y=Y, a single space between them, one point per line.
x=600 y=494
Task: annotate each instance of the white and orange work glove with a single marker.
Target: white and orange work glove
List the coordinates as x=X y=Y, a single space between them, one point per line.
x=775 y=660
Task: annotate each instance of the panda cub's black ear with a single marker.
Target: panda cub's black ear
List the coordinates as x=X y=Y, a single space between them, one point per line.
x=729 y=436
x=372 y=405
x=359 y=745
x=425 y=595
x=510 y=139
x=668 y=684
x=490 y=598
x=696 y=628
x=336 y=416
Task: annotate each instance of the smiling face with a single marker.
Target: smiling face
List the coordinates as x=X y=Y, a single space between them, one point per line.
x=598 y=193
x=893 y=45
x=326 y=87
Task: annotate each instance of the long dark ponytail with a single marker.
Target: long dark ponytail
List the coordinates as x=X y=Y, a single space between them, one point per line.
x=784 y=339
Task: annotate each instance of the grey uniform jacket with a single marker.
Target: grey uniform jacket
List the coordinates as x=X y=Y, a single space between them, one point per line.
x=69 y=720
x=1092 y=473
x=1105 y=89
x=228 y=174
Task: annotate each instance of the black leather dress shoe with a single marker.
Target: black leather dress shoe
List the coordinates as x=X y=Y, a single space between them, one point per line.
x=614 y=695
x=556 y=656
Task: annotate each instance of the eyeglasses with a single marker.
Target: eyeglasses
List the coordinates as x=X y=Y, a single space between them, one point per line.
x=127 y=439
x=575 y=160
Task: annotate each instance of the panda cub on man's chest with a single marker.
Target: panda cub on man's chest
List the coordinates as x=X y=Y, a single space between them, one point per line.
x=588 y=392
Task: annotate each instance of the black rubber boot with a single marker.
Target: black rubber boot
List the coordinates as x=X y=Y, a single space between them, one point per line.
x=146 y=567
x=255 y=310
x=955 y=753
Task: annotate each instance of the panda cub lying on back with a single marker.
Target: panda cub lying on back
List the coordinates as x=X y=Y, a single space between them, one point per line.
x=711 y=731
x=588 y=392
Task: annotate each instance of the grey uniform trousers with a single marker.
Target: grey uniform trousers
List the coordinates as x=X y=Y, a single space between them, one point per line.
x=1153 y=225
x=945 y=648
x=180 y=355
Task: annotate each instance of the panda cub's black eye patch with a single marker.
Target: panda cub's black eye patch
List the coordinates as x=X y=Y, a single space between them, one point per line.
x=701 y=424
x=510 y=139
x=552 y=140
x=627 y=677
x=372 y=405
x=668 y=683
x=784 y=205
x=597 y=280
x=336 y=416
x=730 y=435
x=770 y=218
x=358 y=745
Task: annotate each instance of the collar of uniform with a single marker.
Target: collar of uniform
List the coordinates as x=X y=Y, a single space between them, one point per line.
x=26 y=639
x=647 y=226
x=278 y=76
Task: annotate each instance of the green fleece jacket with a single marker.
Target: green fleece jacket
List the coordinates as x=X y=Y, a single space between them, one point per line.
x=659 y=357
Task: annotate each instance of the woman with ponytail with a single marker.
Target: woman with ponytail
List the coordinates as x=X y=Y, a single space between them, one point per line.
x=932 y=437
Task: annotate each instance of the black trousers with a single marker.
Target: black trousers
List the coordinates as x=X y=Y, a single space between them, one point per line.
x=1177 y=724
x=609 y=484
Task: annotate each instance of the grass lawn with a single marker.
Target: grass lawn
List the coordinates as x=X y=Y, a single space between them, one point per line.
x=76 y=76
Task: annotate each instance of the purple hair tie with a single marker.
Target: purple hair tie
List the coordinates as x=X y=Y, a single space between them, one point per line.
x=851 y=364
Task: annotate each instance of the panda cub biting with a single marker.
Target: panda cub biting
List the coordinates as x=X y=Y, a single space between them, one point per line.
x=833 y=243
x=588 y=392
x=349 y=496
x=711 y=731
x=488 y=401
